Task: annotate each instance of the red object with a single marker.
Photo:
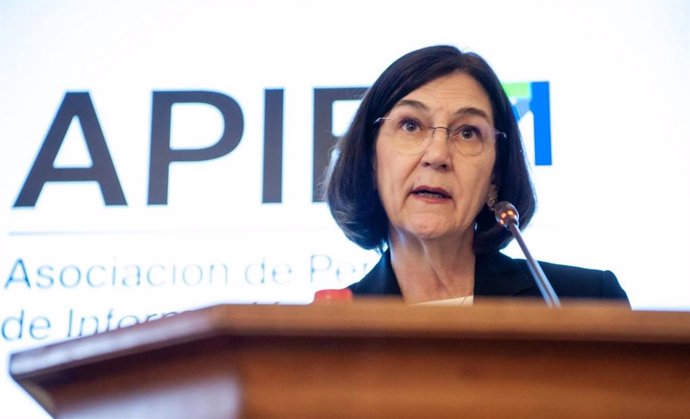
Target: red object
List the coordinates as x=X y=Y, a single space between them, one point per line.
x=333 y=296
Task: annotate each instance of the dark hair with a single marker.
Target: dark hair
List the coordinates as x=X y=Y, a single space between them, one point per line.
x=350 y=184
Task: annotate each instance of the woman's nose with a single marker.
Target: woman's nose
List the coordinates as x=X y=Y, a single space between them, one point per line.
x=437 y=153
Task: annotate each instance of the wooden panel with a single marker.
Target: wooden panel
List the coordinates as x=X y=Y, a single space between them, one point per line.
x=404 y=378
x=166 y=387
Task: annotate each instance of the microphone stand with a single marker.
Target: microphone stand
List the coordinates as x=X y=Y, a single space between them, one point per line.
x=507 y=215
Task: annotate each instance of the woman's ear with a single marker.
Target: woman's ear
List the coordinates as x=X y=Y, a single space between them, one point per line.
x=492 y=197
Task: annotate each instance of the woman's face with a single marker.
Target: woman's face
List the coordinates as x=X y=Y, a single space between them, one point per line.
x=433 y=182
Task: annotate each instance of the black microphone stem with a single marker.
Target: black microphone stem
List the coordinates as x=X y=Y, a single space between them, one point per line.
x=544 y=285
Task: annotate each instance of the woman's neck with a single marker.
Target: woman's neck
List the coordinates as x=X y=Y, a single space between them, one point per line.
x=430 y=270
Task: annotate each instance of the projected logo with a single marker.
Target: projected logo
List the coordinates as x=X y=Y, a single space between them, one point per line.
x=533 y=98
x=530 y=101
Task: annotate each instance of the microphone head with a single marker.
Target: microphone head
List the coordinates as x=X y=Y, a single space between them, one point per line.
x=506 y=214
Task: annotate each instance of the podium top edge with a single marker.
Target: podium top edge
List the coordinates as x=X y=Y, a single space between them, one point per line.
x=510 y=320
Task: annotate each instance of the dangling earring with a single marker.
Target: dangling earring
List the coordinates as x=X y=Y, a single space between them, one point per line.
x=491 y=199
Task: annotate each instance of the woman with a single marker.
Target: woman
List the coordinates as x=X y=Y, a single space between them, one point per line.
x=433 y=146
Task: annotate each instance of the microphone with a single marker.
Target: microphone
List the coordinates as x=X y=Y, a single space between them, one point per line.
x=507 y=215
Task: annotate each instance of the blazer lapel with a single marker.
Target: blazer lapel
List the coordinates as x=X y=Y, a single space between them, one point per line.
x=380 y=280
x=498 y=275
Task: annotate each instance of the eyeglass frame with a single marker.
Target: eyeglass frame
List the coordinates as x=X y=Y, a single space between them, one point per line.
x=497 y=134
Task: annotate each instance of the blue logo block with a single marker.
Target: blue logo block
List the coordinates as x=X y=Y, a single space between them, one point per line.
x=533 y=97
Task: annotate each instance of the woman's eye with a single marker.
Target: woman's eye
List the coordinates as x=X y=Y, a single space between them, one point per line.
x=409 y=125
x=468 y=132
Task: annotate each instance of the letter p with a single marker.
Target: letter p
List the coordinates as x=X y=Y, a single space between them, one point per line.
x=162 y=155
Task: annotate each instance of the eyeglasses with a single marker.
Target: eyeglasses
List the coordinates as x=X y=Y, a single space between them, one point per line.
x=470 y=136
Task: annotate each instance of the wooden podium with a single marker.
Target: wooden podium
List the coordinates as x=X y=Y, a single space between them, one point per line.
x=372 y=359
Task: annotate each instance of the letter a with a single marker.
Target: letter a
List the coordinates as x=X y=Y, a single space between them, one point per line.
x=102 y=170
x=23 y=279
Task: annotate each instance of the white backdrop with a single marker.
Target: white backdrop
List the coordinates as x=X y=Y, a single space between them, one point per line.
x=613 y=197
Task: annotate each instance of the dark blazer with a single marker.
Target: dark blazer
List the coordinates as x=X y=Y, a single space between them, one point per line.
x=497 y=275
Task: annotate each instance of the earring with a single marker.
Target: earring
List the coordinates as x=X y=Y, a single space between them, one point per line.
x=492 y=198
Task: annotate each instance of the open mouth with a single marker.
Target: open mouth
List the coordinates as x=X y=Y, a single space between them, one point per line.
x=434 y=193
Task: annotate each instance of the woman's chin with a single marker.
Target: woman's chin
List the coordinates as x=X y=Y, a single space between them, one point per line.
x=427 y=227
x=432 y=228
x=429 y=231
